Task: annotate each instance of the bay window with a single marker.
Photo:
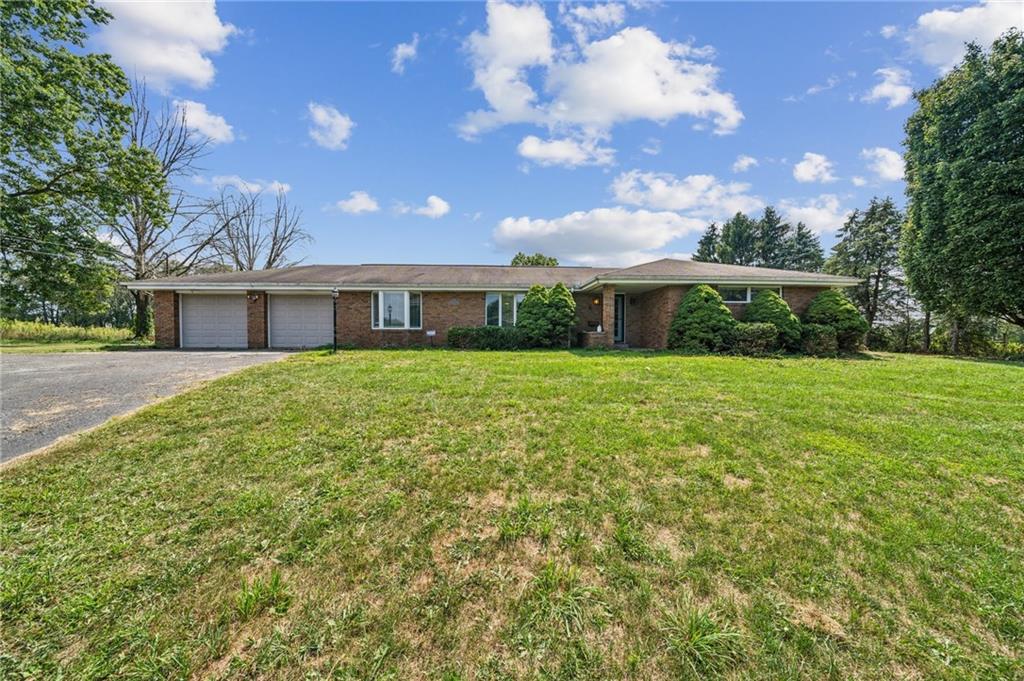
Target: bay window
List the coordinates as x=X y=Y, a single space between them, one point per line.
x=502 y=309
x=396 y=310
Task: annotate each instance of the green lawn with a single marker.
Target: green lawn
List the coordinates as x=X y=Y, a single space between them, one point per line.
x=432 y=514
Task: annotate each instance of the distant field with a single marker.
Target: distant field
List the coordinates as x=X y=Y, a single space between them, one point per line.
x=34 y=337
x=436 y=514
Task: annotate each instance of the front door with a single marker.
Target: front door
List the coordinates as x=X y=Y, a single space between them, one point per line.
x=620 y=318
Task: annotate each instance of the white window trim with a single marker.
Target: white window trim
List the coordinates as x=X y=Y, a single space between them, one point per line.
x=515 y=305
x=750 y=293
x=380 y=310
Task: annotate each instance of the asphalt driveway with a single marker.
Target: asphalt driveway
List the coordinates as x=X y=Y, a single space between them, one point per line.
x=44 y=397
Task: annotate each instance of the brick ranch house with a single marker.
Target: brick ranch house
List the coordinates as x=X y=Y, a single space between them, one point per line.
x=413 y=305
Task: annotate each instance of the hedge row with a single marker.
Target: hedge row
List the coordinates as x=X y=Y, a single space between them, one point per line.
x=703 y=323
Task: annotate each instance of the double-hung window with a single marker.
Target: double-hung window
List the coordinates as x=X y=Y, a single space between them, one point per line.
x=743 y=294
x=502 y=309
x=396 y=309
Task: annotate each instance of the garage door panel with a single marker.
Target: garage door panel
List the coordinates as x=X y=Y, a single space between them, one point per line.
x=213 y=321
x=301 y=321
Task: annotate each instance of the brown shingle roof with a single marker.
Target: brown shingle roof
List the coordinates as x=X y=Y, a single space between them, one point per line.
x=486 y=276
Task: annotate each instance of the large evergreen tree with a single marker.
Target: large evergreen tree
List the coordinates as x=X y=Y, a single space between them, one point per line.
x=772 y=235
x=963 y=243
x=868 y=248
x=707 y=247
x=803 y=251
x=738 y=244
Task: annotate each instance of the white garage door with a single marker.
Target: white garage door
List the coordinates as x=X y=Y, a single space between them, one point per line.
x=300 y=321
x=213 y=321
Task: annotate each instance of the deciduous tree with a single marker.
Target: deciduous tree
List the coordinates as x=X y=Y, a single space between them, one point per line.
x=521 y=259
x=963 y=243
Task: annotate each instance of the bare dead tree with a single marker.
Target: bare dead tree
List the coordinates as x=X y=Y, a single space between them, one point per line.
x=180 y=241
x=252 y=239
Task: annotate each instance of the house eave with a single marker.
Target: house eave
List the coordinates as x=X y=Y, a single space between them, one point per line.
x=236 y=287
x=598 y=282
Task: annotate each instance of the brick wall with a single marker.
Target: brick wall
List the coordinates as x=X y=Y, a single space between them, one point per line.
x=588 y=314
x=656 y=310
x=441 y=311
x=165 y=319
x=256 y=319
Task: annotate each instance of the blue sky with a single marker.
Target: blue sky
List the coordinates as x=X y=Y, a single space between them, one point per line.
x=608 y=133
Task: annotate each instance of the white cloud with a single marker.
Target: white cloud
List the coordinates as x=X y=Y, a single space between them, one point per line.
x=652 y=147
x=587 y=20
x=814 y=168
x=821 y=214
x=603 y=235
x=518 y=36
x=635 y=75
x=200 y=119
x=894 y=89
x=165 y=42
x=888 y=31
x=743 y=163
x=829 y=83
x=404 y=52
x=434 y=208
x=938 y=37
x=701 y=196
x=358 y=202
x=565 y=152
x=251 y=186
x=331 y=128
x=630 y=75
x=858 y=181
x=885 y=163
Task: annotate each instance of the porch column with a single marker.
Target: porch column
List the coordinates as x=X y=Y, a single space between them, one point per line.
x=608 y=314
x=256 y=319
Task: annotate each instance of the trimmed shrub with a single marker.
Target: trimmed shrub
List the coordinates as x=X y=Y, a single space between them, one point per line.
x=533 y=318
x=819 y=340
x=769 y=307
x=485 y=338
x=547 y=316
x=833 y=308
x=702 y=323
x=562 y=314
x=755 y=338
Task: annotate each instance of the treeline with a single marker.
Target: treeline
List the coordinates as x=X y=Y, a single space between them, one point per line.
x=767 y=241
x=96 y=183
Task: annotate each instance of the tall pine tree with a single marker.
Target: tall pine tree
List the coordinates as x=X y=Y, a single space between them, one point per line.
x=771 y=239
x=707 y=247
x=868 y=248
x=803 y=251
x=738 y=244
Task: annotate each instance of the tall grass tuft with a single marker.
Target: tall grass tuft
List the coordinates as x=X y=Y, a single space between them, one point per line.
x=13 y=329
x=699 y=645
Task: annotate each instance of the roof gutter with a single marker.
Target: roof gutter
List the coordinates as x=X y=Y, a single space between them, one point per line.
x=597 y=282
x=230 y=287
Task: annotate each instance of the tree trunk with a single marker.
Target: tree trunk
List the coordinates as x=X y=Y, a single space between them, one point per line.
x=954 y=341
x=927 y=331
x=141 y=313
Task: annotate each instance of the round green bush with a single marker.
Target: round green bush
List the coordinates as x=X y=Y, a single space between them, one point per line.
x=702 y=323
x=546 y=317
x=768 y=307
x=833 y=308
x=755 y=339
x=818 y=340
